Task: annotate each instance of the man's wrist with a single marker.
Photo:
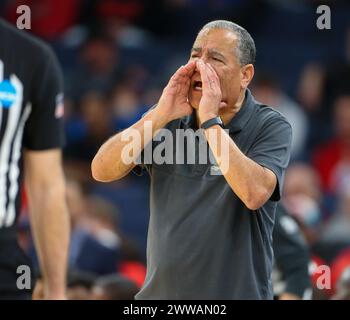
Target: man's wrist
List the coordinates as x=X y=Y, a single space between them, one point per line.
x=205 y=117
x=215 y=126
x=212 y=122
x=159 y=118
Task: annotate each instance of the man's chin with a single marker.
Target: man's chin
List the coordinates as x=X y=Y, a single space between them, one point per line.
x=194 y=104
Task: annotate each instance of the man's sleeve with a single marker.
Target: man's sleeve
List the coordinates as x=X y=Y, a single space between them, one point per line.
x=44 y=128
x=142 y=165
x=272 y=148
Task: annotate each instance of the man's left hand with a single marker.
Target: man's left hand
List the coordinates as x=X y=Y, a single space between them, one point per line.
x=211 y=93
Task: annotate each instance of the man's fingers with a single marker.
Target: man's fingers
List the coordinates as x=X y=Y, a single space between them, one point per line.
x=210 y=80
x=212 y=76
x=185 y=86
x=184 y=71
x=175 y=79
x=212 y=72
x=204 y=75
x=190 y=67
x=180 y=81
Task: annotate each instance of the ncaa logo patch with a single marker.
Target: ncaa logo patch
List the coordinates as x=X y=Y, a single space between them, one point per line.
x=8 y=94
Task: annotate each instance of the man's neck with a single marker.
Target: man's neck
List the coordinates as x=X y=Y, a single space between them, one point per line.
x=227 y=114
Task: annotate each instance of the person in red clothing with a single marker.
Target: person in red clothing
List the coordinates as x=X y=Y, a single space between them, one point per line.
x=332 y=160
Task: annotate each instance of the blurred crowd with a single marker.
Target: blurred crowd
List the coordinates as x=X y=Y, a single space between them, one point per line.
x=116 y=58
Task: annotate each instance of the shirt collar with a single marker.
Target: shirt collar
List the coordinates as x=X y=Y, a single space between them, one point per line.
x=239 y=121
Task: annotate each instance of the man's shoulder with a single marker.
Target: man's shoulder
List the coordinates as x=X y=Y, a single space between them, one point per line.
x=268 y=115
x=21 y=42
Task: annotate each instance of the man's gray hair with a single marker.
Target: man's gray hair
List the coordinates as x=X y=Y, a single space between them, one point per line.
x=246 y=50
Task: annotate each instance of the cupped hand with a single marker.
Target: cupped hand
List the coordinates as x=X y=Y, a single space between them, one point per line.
x=173 y=104
x=209 y=105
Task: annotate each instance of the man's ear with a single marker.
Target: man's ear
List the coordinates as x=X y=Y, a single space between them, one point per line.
x=247 y=74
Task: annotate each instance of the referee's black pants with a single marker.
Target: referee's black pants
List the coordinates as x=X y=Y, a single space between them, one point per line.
x=11 y=257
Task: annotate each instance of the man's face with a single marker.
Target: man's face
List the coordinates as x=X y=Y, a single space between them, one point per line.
x=218 y=48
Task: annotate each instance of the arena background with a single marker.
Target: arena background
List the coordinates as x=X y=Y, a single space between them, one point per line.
x=118 y=55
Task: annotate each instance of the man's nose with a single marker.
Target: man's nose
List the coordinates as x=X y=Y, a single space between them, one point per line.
x=203 y=59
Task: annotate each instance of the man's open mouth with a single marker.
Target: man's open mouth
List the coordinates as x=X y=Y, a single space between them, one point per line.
x=197 y=85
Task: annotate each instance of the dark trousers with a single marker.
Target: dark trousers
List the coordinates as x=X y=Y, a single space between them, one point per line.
x=12 y=260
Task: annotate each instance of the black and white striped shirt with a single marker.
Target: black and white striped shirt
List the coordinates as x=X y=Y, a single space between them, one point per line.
x=31 y=109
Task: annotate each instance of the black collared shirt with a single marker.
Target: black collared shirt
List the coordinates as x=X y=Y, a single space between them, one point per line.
x=31 y=110
x=203 y=242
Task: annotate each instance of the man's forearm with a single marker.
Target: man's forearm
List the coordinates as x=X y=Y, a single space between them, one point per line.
x=108 y=164
x=50 y=226
x=248 y=180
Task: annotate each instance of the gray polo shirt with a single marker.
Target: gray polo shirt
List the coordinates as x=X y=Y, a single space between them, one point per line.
x=203 y=242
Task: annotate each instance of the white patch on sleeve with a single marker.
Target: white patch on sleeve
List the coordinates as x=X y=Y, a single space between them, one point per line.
x=59 y=110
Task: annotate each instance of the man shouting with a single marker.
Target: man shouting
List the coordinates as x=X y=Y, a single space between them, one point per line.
x=210 y=235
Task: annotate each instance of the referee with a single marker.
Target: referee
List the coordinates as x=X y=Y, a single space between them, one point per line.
x=31 y=135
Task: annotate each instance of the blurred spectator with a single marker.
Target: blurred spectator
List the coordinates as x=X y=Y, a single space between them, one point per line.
x=316 y=265
x=98 y=70
x=267 y=91
x=310 y=90
x=335 y=235
x=114 y=287
x=95 y=244
x=310 y=95
x=96 y=126
x=332 y=159
x=340 y=273
x=343 y=286
x=338 y=69
x=85 y=133
x=126 y=106
x=79 y=285
x=113 y=15
x=303 y=197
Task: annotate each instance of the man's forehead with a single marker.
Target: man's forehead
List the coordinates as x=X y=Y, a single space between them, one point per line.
x=215 y=39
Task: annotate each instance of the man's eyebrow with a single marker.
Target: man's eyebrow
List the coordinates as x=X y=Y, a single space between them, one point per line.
x=196 y=49
x=217 y=53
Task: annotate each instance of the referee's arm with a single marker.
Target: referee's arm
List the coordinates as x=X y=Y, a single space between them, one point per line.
x=43 y=174
x=45 y=187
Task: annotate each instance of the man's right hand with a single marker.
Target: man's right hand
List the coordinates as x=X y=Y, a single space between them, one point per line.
x=173 y=104
x=108 y=164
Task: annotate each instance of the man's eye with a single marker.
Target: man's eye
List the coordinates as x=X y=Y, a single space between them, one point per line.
x=217 y=59
x=194 y=56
